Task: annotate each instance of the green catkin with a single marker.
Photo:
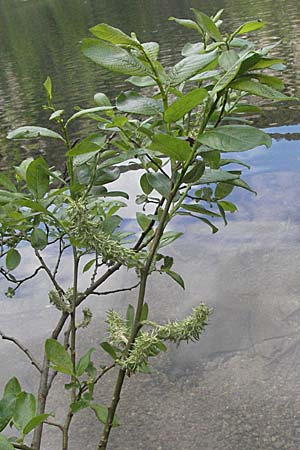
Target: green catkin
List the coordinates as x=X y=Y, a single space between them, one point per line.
x=117 y=329
x=88 y=234
x=149 y=343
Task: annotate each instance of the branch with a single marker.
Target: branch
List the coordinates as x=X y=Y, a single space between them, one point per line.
x=21 y=446
x=104 y=371
x=157 y=165
x=115 y=291
x=23 y=349
x=48 y=271
x=54 y=424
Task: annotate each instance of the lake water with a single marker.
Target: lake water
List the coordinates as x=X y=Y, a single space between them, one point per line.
x=238 y=388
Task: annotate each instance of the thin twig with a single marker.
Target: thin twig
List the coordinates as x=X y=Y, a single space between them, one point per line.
x=54 y=424
x=11 y=279
x=23 y=349
x=62 y=248
x=104 y=371
x=157 y=165
x=49 y=273
x=115 y=291
x=21 y=446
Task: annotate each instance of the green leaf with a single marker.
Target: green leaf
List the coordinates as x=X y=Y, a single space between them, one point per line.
x=227 y=78
x=244 y=108
x=113 y=58
x=184 y=104
x=228 y=206
x=175 y=276
x=12 y=387
x=228 y=59
x=242 y=184
x=48 y=87
x=88 y=265
x=168 y=237
x=189 y=66
x=132 y=102
x=248 y=27
x=39 y=239
x=192 y=49
x=187 y=23
x=207 y=25
x=91 y=144
x=225 y=162
x=101 y=99
x=109 y=349
x=203 y=219
x=195 y=173
x=7 y=407
x=171 y=146
x=215 y=176
x=13 y=259
x=84 y=362
x=223 y=190
x=146 y=187
x=151 y=49
x=141 y=81
x=56 y=114
x=79 y=405
x=261 y=90
x=160 y=183
x=142 y=220
x=5 y=444
x=35 y=422
x=113 y=35
x=264 y=63
x=59 y=357
x=101 y=412
x=130 y=316
x=145 y=312
x=7 y=183
x=105 y=176
x=269 y=80
x=235 y=138
x=33 y=132
x=88 y=112
x=199 y=210
x=25 y=410
x=37 y=177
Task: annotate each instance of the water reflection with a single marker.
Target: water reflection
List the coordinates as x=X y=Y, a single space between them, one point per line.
x=40 y=38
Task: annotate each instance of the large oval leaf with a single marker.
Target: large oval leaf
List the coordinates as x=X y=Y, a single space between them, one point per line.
x=248 y=27
x=170 y=146
x=13 y=259
x=113 y=35
x=33 y=132
x=25 y=410
x=235 y=138
x=207 y=25
x=58 y=356
x=185 y=104
x=37 y=177
x=215 y=176
x=132 y=102
x=113 y=58
x=261 y=90
x=5 y=444
x=189 y=66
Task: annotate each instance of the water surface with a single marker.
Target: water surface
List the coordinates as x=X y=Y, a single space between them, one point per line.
x=238 y=388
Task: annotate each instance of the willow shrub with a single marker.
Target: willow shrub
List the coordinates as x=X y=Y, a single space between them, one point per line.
x=180 y=133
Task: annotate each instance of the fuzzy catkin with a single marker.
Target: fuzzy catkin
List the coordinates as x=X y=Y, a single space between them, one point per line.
x=88 y=234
